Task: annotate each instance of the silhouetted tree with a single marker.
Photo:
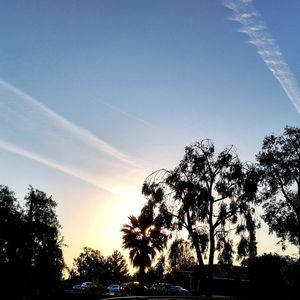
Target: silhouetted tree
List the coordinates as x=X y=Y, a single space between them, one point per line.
x=42 y=251
x=205 y=194
x=11 y=236
x=181 y=256
x=160 y=268
x=116 y=267
x=30 y=245
x=267 y=278
x=143 y=236
x=156 y=273
x=291 y=276
x=89 y=265
x=280 y=163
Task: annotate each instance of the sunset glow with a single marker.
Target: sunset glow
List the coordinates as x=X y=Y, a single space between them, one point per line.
x=96 y=95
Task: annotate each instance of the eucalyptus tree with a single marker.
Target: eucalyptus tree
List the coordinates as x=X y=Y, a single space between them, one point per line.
x=143 y=237
x=279 y=160
x=209 y=194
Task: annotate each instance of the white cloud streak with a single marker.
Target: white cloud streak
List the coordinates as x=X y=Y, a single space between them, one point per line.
x=89 y=137
x=30 y=129
x=43 y=160
x=103 y=182
x=130 y=116
x=245 y=13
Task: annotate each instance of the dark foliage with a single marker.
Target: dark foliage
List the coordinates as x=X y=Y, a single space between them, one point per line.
x=156 y=273
x=143 y=237
x=30 y=244
x=266 y=277
x=205 y=194
x=181 y=256
x=88 y=266
x=279 y=160
x=116 y=268
x=92 y=266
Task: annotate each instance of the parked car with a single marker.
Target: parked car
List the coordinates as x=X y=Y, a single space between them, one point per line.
x=131 y=288
x=124 y=285
x=76 y=288
x=113 y=288
x=86 y=285
x=163 y=289
x=181 y=291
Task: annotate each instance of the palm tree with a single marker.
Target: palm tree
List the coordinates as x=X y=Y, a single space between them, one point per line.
x=143 y=237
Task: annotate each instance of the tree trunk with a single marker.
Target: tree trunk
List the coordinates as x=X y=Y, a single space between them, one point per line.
x=201 y=267
x=142 y=279
x=211 y=249
x=201 y=272
x=210 y=262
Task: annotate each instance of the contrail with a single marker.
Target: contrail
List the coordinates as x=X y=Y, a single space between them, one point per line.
x=244 y=12
x=126 y=113
x=105 y=183
x=62 y=122
x=30 y=129
x=55 y=165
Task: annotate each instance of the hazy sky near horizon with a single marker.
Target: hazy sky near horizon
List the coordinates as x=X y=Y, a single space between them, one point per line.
x=95 y=95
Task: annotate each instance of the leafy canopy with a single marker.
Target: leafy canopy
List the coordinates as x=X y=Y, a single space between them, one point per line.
x=279 y=160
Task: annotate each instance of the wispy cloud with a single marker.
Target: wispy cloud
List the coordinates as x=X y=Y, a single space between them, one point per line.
x=84 y=134
x=245 y=13
x=130 y=116
x=32 y=130
x=50 y=163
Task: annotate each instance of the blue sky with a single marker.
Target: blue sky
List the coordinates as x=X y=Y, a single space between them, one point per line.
x=95 y=95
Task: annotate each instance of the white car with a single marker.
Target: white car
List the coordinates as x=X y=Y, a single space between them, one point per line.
x=113 y=288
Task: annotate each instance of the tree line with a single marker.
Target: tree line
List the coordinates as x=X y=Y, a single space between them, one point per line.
x=92 y=266
x=212 y=196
